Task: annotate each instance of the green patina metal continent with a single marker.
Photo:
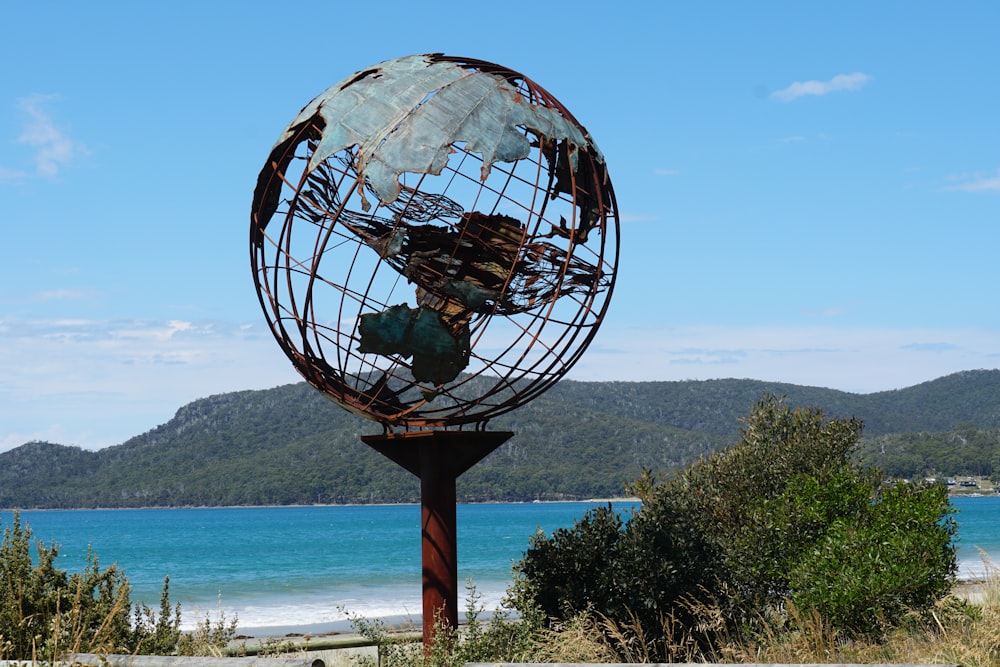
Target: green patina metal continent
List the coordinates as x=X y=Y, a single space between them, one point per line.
x=405 y=114
x=461 y=191
x=438 y=354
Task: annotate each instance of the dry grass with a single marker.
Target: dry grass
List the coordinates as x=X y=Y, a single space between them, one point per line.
x=791 y=636
x=955 y=631
x=579 y=640
x=70 y=631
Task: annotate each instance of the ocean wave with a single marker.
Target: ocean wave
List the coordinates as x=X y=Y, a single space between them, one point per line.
x=321 y=614
x=976 y=569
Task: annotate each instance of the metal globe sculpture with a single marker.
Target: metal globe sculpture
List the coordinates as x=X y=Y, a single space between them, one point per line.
x=434 y=241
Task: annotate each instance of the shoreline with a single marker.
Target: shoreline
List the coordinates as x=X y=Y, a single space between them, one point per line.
x=973 y=591
x=319 y=613
x=616 y=499
x=415 y=503
x=308 y=631
x=303 y=580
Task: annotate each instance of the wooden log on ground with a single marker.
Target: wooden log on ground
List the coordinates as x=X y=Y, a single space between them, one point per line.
x=95 y=660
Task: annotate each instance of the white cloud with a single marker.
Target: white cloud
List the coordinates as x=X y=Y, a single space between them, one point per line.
x=857 y=360
x=848 y=82
x=12 y=175
x=828 y=312
x=977 y=183
x=931 y=347
x=63 y=295
x=53 y=148
x=96 y=383
x=152 y=332
x=636 y=217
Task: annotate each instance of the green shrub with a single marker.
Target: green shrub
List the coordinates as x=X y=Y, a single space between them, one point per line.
x=577 y=568
x=45 y=612
x=786 y=513
x=868 y=571
x=157 y=634
x=634 y=576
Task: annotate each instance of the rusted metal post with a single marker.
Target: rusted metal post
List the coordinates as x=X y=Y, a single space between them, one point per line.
x=438 y=458
x=438 y=544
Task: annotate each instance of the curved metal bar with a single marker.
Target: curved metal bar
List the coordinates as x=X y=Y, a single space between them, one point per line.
x=506 y=295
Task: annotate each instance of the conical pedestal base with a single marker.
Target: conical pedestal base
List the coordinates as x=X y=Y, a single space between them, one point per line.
x=438 y=458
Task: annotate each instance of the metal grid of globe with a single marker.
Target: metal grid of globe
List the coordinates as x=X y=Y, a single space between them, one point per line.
x=434 y=242
x=443 y=284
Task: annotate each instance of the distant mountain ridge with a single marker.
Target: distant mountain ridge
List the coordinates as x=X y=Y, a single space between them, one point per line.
x=290 y=445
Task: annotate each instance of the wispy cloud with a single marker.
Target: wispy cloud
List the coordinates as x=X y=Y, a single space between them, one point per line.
x=636 y=217
x=94 y=382
x=63 y=295
x=12 y=175
x=54 y=149
x=977 y=183
x=931 y=347
x=850 y=359
x=841 y=82
x=707 y=357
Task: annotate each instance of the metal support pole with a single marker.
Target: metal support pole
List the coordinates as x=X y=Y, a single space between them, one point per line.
x=438 y=458
x=439 y=544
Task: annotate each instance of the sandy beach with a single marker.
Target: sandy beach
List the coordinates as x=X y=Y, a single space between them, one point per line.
x=972 y=591
x=341 y=637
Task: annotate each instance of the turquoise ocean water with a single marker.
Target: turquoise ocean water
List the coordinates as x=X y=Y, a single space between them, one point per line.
x=297 y=566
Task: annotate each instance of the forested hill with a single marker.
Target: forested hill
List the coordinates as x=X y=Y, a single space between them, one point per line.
x=289 y=445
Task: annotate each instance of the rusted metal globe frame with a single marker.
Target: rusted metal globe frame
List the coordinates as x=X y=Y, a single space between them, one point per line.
x=483 y=279
x=434 y=243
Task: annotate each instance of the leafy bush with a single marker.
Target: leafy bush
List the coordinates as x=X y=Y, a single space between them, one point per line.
x=635 y=576
x=868 y=571
x=45 y=612
x=785 y=514
x=577 y=569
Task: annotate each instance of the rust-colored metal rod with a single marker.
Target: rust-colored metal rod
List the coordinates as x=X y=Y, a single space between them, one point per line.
x=438 y=458
x=438 y=545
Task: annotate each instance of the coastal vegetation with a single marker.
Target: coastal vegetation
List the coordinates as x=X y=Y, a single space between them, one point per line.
x=782 y=547
x=779 y=548
x=46 y=612
x=954 y=631
x=290 y=445
x=786 y=516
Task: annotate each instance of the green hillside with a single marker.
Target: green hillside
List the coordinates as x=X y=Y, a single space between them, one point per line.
x=290 y=445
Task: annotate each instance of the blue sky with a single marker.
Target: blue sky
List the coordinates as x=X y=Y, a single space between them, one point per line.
x=809 y=193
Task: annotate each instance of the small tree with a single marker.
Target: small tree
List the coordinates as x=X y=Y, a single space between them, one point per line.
x=157 y=634
x=787 y=513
